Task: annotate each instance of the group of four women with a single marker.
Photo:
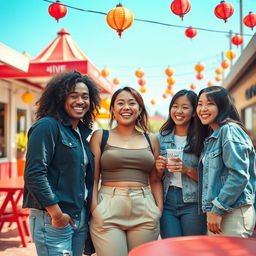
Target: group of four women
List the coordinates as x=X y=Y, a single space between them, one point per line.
x=137 y=193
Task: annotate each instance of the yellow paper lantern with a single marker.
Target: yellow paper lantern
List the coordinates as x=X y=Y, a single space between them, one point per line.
x=230 y=54
x=27 y=97
x=143 y=89
x=105 y=103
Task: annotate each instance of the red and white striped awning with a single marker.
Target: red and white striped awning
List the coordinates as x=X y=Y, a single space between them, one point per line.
x=62 y=54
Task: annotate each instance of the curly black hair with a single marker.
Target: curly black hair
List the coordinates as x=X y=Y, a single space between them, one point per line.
x=56 y=91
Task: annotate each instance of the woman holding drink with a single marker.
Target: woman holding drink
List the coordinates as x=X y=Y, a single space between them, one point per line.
x=125 y=211
x=177 y=165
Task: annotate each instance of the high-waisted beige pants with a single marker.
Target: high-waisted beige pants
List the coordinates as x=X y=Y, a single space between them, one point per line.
x=240 y=222
x=123 y=219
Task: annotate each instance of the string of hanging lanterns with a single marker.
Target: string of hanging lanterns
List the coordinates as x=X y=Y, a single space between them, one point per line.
x=58 y=13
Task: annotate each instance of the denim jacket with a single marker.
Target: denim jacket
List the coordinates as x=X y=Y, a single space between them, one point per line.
x=227 y=172
x=189 y=186
x=55 y=172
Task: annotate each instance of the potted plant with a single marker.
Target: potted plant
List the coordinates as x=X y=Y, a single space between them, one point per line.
x=21 y=144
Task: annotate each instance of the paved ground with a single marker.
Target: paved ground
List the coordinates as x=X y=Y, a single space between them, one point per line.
x=10 y=244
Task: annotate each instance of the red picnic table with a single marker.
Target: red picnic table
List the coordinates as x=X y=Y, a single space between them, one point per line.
x=10 y=210
x=198 y=246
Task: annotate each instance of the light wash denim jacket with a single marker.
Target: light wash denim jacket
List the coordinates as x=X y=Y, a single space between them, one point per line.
x=189 y=186
x=227 y=173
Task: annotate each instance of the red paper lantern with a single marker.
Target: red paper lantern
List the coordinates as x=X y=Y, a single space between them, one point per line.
x=120 y=18
x=250 y=20
x=139 y=73
x=190 y=32
x=199 y=67
x=180 y=7
x=237 y=40
x=224 y=10
x=169 y=71
x=199 y=76
x=225 y=64
x=57 y=10
x=169 y=87
x=142 y=82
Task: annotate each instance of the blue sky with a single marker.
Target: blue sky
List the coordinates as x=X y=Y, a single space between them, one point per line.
x=27 y=26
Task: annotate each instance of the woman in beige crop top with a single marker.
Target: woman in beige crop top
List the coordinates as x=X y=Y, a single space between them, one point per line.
x=125 y=212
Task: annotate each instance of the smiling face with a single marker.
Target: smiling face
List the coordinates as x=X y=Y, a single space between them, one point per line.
x=181 y=111
x=207 y=111
x=77 y=103
x=126 y=109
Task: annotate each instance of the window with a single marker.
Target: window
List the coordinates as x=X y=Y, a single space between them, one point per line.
x=249 y=117
x=2 y=130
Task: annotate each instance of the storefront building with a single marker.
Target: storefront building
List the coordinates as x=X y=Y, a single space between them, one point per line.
x=20 y=88
x=241 y=83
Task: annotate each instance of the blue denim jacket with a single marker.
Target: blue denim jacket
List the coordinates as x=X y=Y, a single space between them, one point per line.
x=55 y=170
x=227 y=173
x=189 y=186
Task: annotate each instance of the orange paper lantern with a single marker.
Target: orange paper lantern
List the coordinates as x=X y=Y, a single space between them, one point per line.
x=153 y=102
x=164 y=95
x=139 y=73
x=219 y=71
x=120 y=18
x=171 y=80
x=193 y=86
x=169 y=71
x=218 y=78
x=116 y=81
x=199 y=67
x=225 y=64
x=210 y=83
x=105 y=72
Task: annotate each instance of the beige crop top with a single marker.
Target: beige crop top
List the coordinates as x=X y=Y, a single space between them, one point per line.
x=121 y=164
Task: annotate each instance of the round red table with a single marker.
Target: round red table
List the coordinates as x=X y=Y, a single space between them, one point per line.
x=198 y=245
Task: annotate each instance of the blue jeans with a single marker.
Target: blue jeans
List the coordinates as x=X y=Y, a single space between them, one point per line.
x=179 y=218
x=52 y=241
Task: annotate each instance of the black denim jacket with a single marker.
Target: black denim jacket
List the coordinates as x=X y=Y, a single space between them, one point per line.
x=55 y=171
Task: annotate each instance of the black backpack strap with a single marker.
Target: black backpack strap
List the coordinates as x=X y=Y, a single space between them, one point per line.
x=149 y=142
x=104 y=138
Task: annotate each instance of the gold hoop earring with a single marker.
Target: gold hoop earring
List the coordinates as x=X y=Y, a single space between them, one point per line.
x=139 y=118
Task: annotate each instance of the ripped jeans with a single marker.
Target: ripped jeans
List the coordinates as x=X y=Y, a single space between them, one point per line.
x=52 y=241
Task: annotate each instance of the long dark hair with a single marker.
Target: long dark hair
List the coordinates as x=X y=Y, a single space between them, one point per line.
x=227 y=112
x=169 y=125
x=142 y=120
x=56 y=91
